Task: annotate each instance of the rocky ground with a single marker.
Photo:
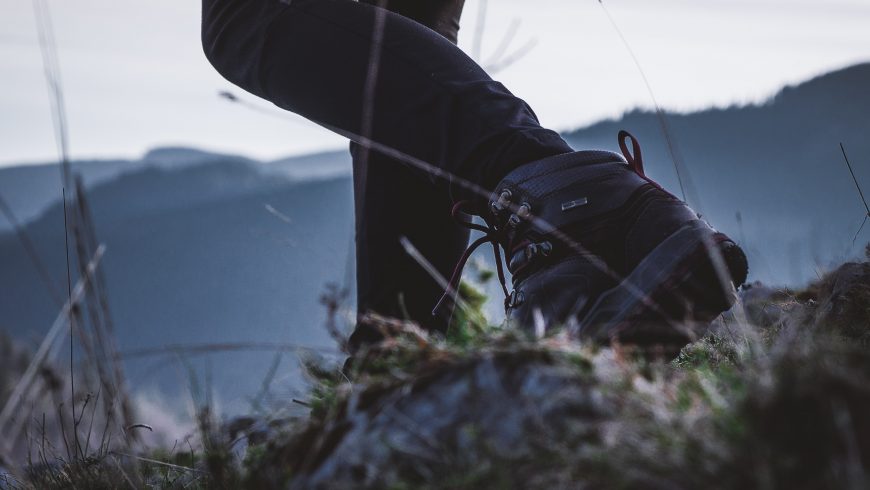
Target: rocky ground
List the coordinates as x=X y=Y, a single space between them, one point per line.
x=777 y=395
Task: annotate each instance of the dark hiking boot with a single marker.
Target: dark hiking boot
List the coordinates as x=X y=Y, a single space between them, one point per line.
x=593 y=243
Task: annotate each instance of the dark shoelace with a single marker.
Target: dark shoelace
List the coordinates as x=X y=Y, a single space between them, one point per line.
x=491 y=235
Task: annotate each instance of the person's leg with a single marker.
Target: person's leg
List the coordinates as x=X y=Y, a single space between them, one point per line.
x=376 y=76
x=394 y=201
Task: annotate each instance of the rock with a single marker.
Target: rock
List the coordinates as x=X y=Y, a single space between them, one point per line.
x=454 y=421
x=843 y=298
x=765 y=306
x=840 y=301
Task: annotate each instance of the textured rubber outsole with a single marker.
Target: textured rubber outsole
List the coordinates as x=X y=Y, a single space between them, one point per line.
x=673 y=294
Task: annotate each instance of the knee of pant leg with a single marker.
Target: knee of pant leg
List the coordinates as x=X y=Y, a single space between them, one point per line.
x=225 y=25
x=231 y=36
x=228 y=58
x=212 y=47
x=209 y=45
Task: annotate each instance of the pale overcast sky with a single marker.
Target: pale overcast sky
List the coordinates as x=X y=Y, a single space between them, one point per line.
x=135 y=77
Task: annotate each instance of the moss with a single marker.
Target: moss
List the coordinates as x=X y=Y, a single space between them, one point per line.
x=469 y=326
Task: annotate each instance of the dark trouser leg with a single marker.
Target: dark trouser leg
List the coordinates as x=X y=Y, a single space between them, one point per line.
x=428 y=99
x=393 y=201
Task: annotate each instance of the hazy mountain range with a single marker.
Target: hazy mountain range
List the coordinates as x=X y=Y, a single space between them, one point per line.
x=31 y=189
x=778 y=164
x=206 y=248
x=218 y=251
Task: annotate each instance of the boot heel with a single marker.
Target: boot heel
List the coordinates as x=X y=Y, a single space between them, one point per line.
x=685 y=282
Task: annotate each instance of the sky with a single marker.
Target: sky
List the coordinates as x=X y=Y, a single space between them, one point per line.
x=135 y=78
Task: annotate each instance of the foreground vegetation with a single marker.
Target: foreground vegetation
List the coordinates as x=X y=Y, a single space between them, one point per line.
x=777 y=395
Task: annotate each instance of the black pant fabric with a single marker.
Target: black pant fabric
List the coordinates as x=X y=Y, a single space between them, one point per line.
x=361 y=70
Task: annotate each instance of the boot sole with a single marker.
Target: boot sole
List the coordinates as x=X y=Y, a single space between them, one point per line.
x=673 y=294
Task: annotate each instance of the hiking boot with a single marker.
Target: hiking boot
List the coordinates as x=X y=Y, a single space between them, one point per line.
x=593 y=243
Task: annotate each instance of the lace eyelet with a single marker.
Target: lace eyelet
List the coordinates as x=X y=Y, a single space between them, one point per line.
x=503 y=201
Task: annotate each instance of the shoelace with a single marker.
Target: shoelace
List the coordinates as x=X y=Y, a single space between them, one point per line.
x=493 y=235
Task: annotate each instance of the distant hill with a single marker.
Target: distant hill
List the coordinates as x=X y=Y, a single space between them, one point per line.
x=217 y=252
x=205 y=247
x=778 y=164
x=31 y=189
x=317 y=166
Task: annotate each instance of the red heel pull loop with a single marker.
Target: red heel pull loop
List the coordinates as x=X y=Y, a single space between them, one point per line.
x=634 y=157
